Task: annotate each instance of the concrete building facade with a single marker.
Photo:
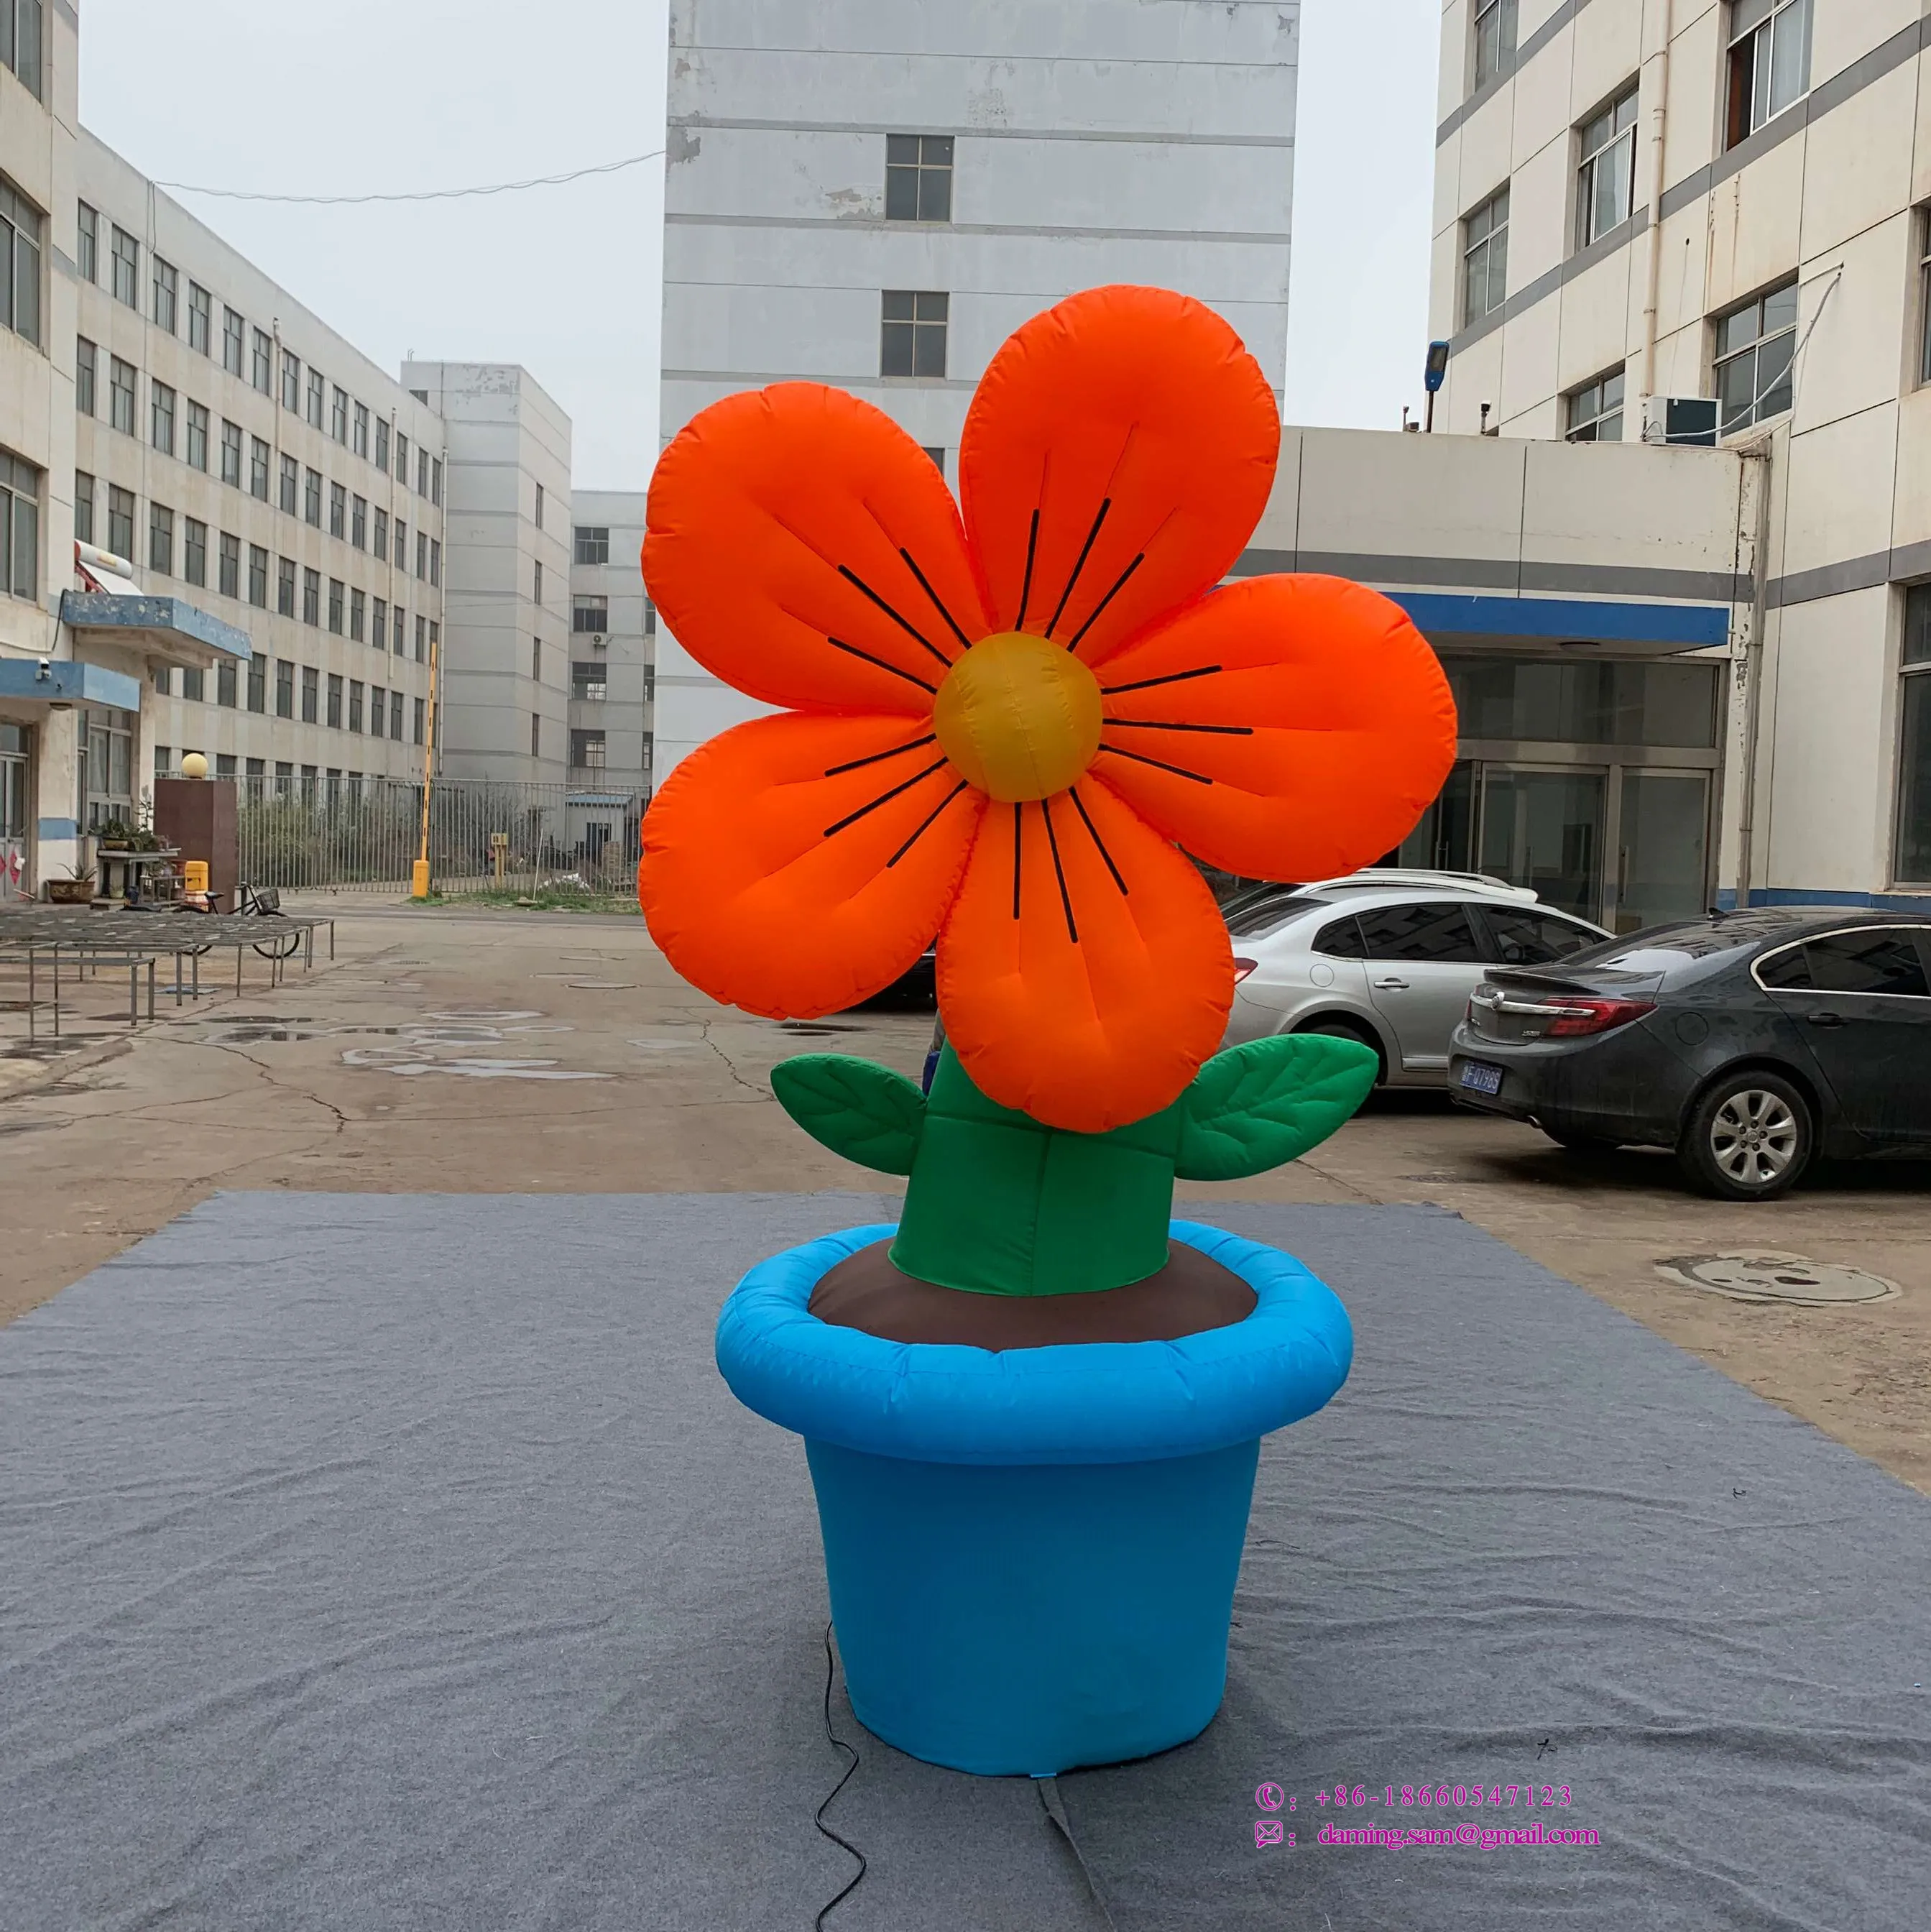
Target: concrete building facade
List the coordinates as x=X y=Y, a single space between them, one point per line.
x=876 y=195
x=1729 y=201
x=613 y=642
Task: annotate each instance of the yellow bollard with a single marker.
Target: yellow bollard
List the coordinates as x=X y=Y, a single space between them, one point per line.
x=418 y=879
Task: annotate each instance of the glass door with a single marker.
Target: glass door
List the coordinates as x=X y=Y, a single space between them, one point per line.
x=1542 y=827
x=1663 y=841
x=12 y=812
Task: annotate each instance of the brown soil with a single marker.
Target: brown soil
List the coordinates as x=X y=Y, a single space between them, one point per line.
x=866 y=1291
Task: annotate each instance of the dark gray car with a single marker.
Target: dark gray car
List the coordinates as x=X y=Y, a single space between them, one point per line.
x=1748 y=1042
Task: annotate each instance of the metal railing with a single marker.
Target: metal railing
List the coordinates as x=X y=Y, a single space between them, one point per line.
x=311 y=834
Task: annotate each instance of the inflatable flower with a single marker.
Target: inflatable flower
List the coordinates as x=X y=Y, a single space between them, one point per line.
x=1006 y=723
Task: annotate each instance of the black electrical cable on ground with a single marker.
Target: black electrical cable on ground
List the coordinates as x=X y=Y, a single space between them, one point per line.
x=831 y=1904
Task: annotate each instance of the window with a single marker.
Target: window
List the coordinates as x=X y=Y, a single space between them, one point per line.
x=593 y=544
x=160 y=539
x=262 y=363
x=421 y=635
x=127 y=267
x=284 y=693
x=233 y=329
x=536 y=574
x=912 y=336
x=120 y=522
x=435 y=634
x=1924 y=296
x=337 y=592
x=85 y=367
x=536 y=659
x=395 y=715
x=20 y=526
x=649 y=618
x=1522 y=938
x=436 y=561
x=318 y=388
x=1495 y=37
x=1770 y=62
x=291 y=383
x=167 y=285
x=380 y=544
x=258 y=469
x=1595 y=411
x=224 y=693
x=589 y=613
x=1485 y=257
x=382 y=442
x=163 y=754
x=379 y=704
x=231 y=566
x=937 y=453
x=20 y=263
x=1753 y=351
x=918 y=177
x=378 y=623
x=160 y=417
x=358 y=522
x=256 y=768
x=83 y=506
x=20 y=41
x=197 y=436
x=311 y=499
x=334 y=711
x=311 y=695
x=435 y=481
x=258 y=687
x=402 y=545
x=285 y=587
x=87 y=244
x=258 y=577
x=231 y=453
x=354 y=704
x=338 y=510
x=360 y=441
x=338 y=415
x=402 y=458
x=1606 y=178
x=194 y=550
x=121 y=394
x=416 y=735
x=1869 y=959
x=200 y=318
x=358 y=604
x=1420 y=933
x=311 y=596
x=194 y=684
x=536 y=734
x=539 y=498
x=587 y=750
x=291 y=486
x=1913 y=762
x=589 y=683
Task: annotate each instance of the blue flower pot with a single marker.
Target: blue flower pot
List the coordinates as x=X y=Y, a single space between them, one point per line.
x=1032 y=1553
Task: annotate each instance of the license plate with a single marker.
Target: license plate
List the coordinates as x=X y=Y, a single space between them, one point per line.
x=1480 y=1078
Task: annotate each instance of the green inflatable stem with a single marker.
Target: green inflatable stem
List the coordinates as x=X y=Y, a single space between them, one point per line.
x=1000 y=1204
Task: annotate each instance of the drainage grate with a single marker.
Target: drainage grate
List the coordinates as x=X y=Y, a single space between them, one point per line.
x=1763 y=1275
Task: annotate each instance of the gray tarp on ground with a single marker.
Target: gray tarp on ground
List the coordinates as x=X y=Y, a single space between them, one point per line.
x=399 y=1561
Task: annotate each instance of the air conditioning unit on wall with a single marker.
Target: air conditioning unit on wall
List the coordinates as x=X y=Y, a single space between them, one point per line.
x=597 y=643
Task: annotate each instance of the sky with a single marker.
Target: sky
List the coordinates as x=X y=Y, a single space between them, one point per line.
x=358 y=97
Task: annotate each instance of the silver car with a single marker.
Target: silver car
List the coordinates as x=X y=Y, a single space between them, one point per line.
x=1387 y=958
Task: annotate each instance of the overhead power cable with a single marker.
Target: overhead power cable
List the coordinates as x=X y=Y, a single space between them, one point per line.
x=425 y=194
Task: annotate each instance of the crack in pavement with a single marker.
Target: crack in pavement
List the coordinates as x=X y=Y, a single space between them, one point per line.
x=730 y=1066
x=342 y=1120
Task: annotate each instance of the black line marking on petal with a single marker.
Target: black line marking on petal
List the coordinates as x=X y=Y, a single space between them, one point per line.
x=1086 y=550
x=1026 y=588
x=852 y=817
x=912 y=564
x=931 y=819
x=878 y=757
x=911 y=630
x=1059 y=871
x=852 y=650
x=1156 y=724
x=1100 y=843
x=1159 y=764
x=1092 y=616
x=1018 y=820
x=1147 y=683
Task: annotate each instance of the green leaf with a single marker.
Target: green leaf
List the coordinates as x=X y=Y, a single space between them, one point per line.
x=1256 y=1106
x=867 y=1113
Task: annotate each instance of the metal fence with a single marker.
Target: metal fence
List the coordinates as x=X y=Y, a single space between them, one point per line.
x=362 y=834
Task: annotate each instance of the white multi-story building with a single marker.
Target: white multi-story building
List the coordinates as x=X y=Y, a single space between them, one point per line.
x=612 y=637
x=1639 y=200
x=877 y=196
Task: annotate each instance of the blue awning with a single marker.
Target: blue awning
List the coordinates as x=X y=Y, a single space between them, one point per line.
x=163 y=627
x=67 y=682
x=1580 y=620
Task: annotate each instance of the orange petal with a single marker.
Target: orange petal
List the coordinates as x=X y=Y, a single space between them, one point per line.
x=796 y=865
x=1084 y=977
x=802 y=546
x=1320 y=732
x=1117 y=457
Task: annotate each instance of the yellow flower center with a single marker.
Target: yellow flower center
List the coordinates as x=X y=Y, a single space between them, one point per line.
x=1019 y=716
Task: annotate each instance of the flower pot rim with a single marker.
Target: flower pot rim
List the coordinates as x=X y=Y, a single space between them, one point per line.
x=1080 y=1403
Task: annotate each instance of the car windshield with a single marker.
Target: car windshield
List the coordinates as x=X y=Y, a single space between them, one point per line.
x=1251 y=916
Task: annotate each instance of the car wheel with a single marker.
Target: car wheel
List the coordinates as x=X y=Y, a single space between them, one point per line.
x=1343 y=1029
x=1749 y=1138
x=1571 y=1141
